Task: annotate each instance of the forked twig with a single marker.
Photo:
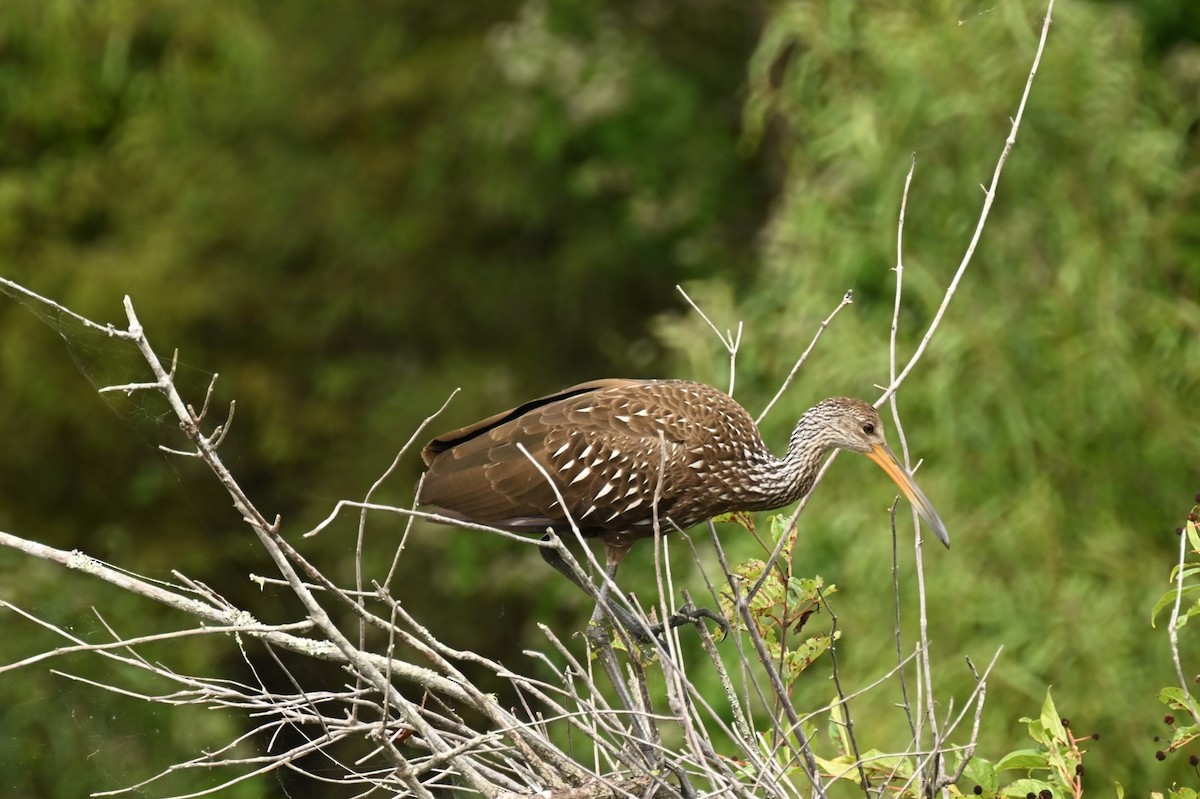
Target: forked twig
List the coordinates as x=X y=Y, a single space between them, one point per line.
x=847 y=299
x=988 y=199
x=729 y=340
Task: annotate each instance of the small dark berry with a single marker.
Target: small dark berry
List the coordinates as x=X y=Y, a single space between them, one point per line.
x=1160 y=755
x=1157 y=739
x=1178 y=531
x=1079 y=769
x=1192 y=517
x=1031 y=795
x=979 y=790
x=1046 y=794
x=1194 y=760
x=1066 y=722
x=1168 y=719
x=1095 y=736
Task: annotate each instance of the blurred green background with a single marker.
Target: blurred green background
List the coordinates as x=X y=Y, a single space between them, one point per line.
x=349 y=211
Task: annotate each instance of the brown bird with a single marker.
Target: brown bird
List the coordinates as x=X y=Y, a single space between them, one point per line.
x=611 y=445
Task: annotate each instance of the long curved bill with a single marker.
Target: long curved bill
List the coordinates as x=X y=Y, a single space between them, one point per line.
x=887 y=461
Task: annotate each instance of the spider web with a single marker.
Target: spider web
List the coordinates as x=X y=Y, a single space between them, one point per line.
x=105 y=359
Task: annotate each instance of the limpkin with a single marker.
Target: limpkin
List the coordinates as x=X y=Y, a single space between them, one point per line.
x=605 y=443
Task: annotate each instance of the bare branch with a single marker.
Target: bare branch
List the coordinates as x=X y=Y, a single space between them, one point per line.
x=20 y=291
x=847 y=299
x=989 y=198
x=1173 y=629
x=729 y=340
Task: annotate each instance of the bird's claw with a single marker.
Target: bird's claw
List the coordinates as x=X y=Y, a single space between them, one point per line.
x=689 y=614
x=646 y=634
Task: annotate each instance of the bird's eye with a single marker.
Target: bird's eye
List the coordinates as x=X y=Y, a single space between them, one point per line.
x=868 y=428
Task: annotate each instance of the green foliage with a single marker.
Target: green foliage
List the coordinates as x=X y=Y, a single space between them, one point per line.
x=1054 y=765
x=785 y=602
x=1182 y=580
x=1054 y=410
x=1180 y=698
x=781 y=607
x=1058 y=754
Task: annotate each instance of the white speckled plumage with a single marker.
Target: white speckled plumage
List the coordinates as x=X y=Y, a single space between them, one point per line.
x=613 y=445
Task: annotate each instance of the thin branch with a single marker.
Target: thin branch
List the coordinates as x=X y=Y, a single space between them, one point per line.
x=925 y=666
x=729 y=340
x=1173 y=629
x=989 y=198
x=125 y=643
x=20 y=291
x=968 y=751
x=847 y=299
x=842 y=703
x=904 y=700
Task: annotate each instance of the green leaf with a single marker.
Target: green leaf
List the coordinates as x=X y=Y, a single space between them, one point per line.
x=1193 y=534
x=1187 y=572
x=837 y=730
x=805 y=590
x=1021 y=788
x=981 y=771
x=1022 y=759
x=779 y=528
x=1194 y=610
x=739 y=519
x=840 y=767
x=1167 y=600
x=880 y=763
x=1037 y=731
x=800 y=658
x=1183 y=733
x=1183 y=793
x=1051 y=721
x=1175 y=698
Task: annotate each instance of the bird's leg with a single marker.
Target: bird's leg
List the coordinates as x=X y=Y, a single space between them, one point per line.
x=598 y=626
x=551 y=556
x=612 y=560
x=687 y=615
x=613 y=555
x=598 y=637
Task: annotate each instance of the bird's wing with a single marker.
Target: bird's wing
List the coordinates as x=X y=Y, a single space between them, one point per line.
x=601 y=454
x=454 y=438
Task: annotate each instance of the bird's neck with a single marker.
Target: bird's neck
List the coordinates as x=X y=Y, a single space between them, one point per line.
x=784 y=480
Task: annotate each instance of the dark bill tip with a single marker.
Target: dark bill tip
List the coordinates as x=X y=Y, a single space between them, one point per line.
x=887 y=461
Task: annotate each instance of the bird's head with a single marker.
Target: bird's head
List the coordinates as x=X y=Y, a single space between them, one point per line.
x=855 y=425
x=850 y=423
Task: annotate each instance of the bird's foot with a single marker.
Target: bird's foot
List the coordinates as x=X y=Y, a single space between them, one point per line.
x=689 y=614
x=648 y=634
x=600 y=630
